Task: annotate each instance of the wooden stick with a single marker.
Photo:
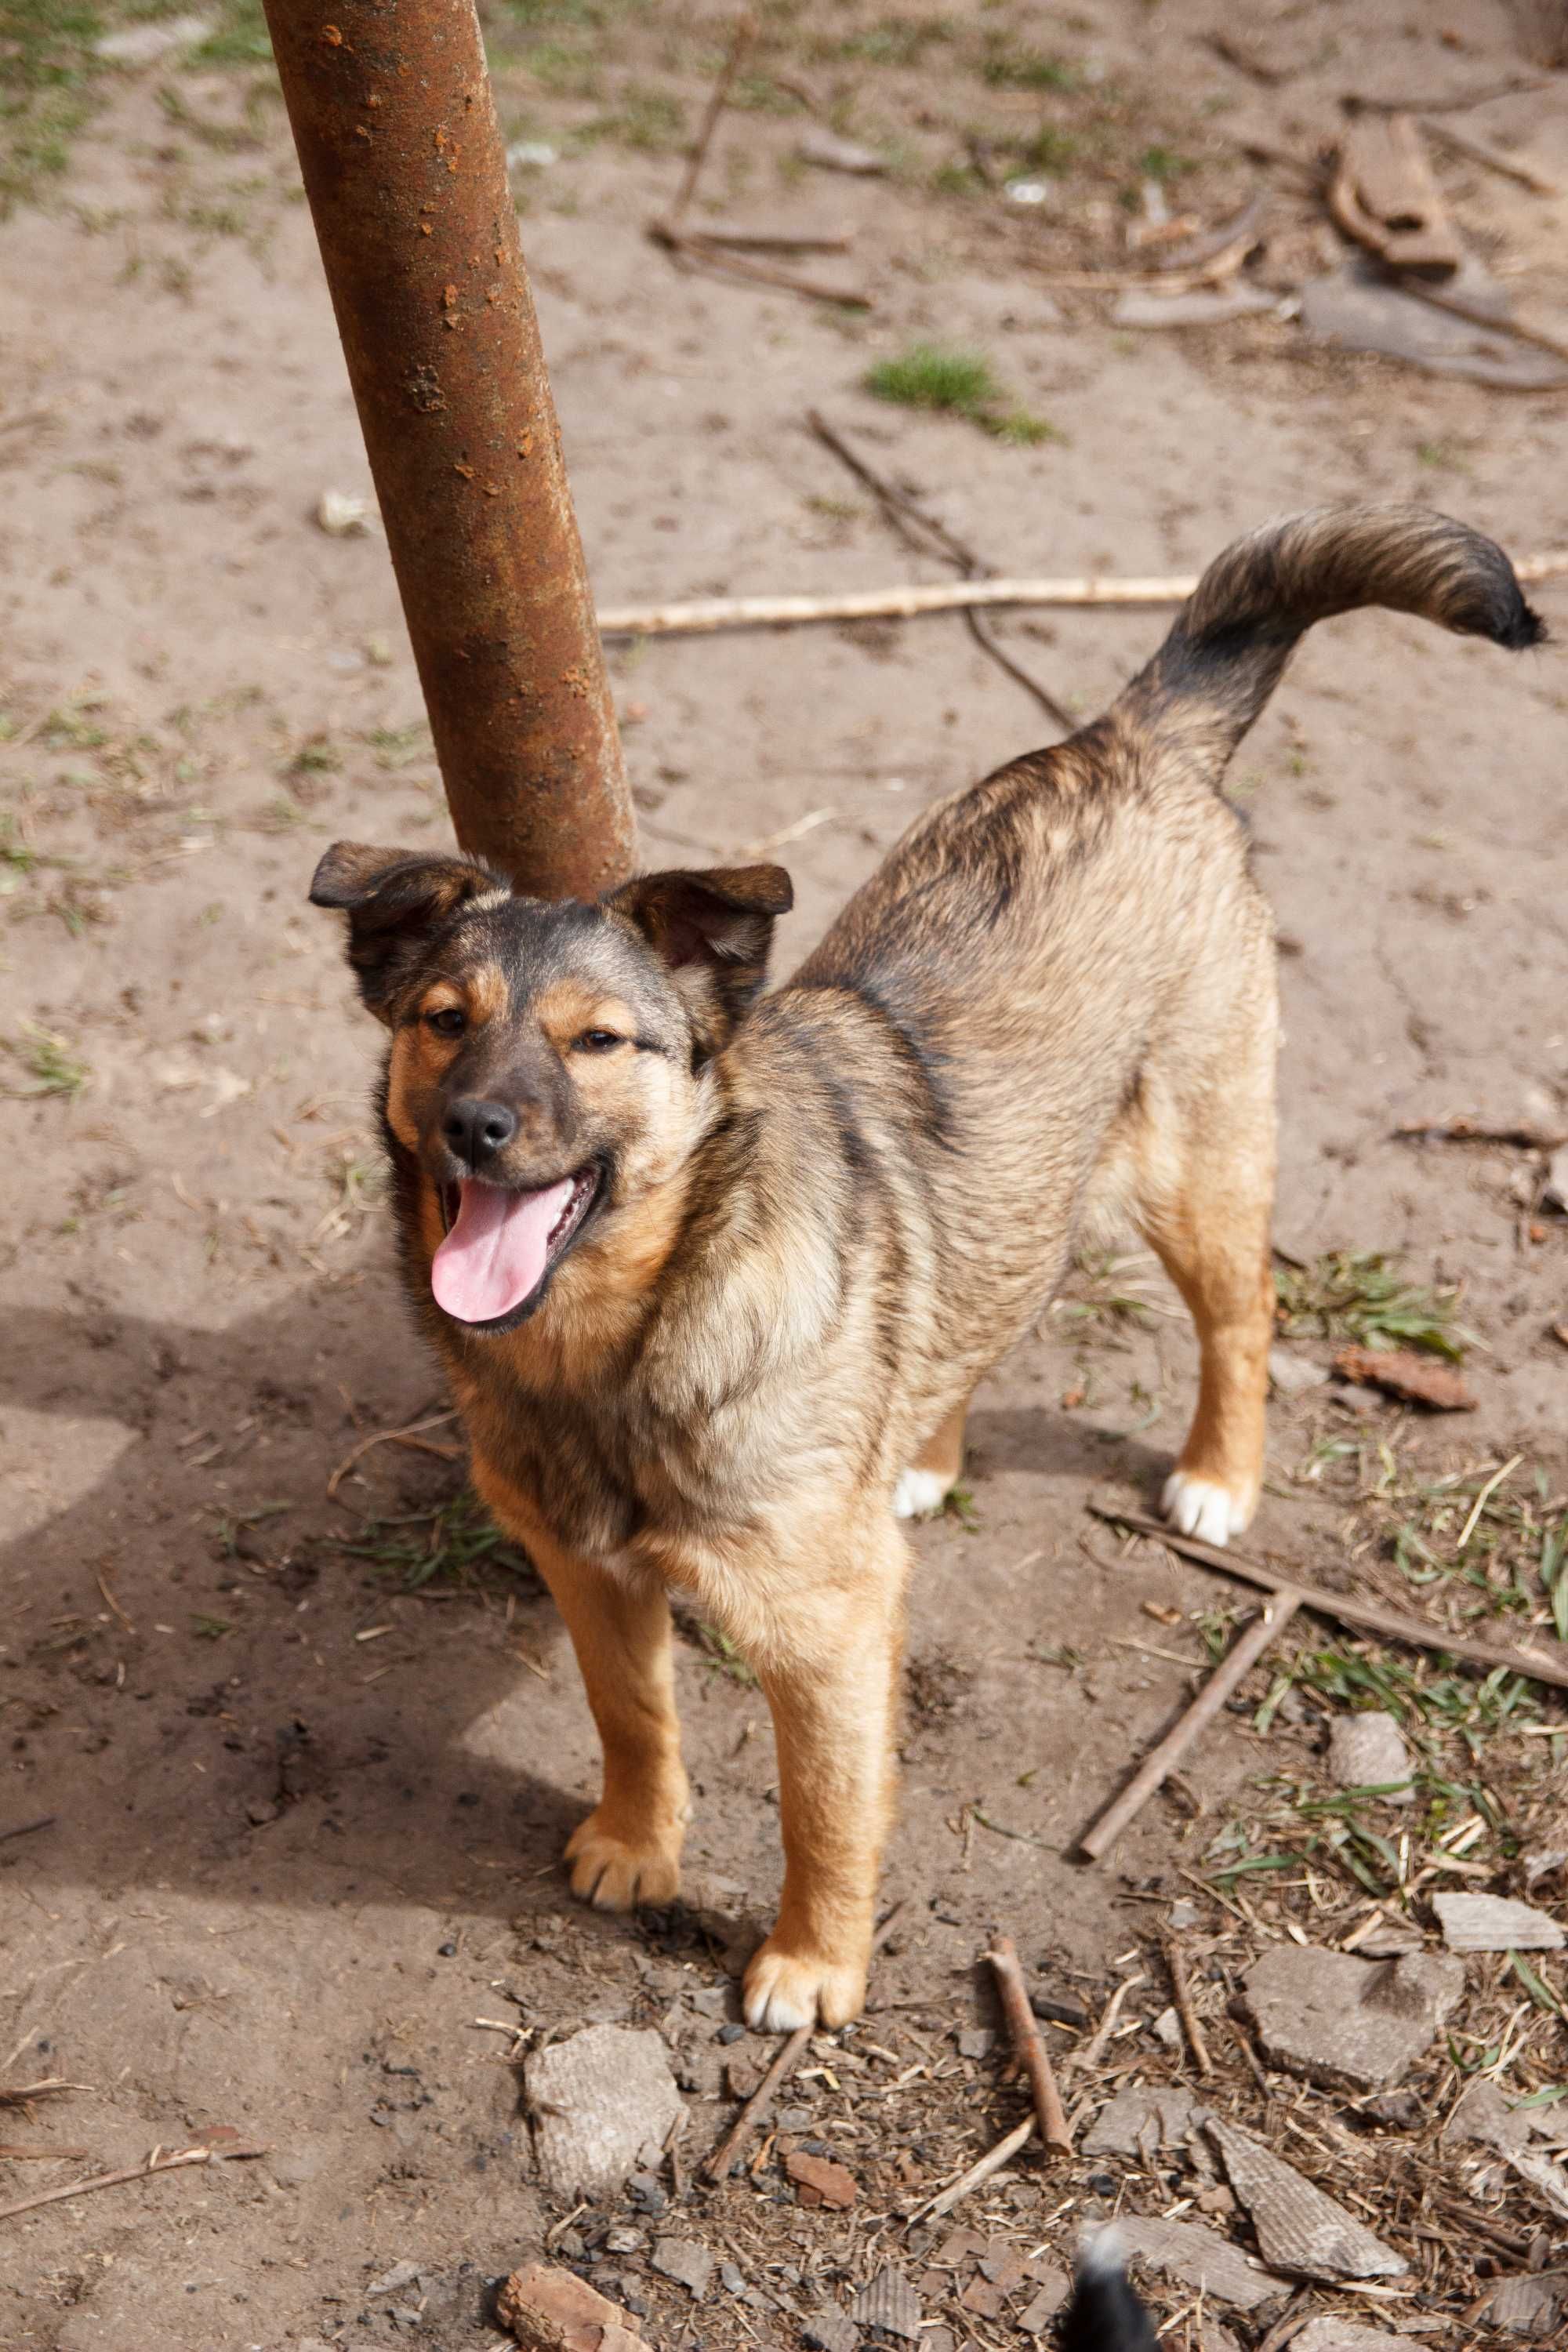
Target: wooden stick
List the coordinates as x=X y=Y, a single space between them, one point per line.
x=1365 y=1615
x=1243 y=1653
x=26 y=1829
x=991 y=2161
x=769 y=240
x=1181 y=1987
x=741 y=40
x=1027 y=2047
x=692 y=245
x=156 y=2162
x=717 y=2166
x=707 y=615
x=1479 y=152
x=916 y=526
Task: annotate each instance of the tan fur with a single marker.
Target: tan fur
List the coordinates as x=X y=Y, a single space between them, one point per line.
x=826 y=1215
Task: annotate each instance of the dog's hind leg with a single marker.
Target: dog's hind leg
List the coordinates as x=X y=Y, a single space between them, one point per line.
x=925 y=1485
x=1206 y=1188
x=628 y=1849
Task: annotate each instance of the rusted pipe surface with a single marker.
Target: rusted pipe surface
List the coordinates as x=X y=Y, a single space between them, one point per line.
x=406 y=172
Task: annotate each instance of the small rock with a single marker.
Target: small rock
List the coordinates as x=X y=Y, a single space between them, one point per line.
x=623 y=2238
x=976 y=2042
x=731 y=2032
x=1122 y=2128
x=401 y=2274
x=1402 y=2109
x=645 y=2194
x=709 y=2000
x=550 y=2310
x=684 y=2261
x=1368 y=1751
x=1167 y=2028
x=827 y=2330
x=342 y=514
x=1331 y=2335
x=1292 y=1375
x=1527 y=2306
x=1352 y=2024
x=731 y=2279
x=831 y=153
x=1491 y=1923
x=741 y=2076
x=1199 y=2259
x=1041 y=2308
x=1060 y=2008
x=143 y=45
x=794 y=2119
x=602 y=2103
x=890 y=2302
x=1554 y=1192
x=1184 y=1913
x=820 y=2182
x=1299 y=2229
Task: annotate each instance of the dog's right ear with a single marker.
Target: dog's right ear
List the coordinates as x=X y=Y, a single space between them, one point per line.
x=395 y=899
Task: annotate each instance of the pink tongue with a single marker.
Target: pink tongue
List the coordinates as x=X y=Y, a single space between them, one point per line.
x=494 y=1258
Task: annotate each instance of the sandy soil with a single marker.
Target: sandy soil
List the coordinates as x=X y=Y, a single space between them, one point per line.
x=304 y=1820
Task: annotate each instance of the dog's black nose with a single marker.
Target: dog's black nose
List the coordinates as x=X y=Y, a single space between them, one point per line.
x=476 y=1130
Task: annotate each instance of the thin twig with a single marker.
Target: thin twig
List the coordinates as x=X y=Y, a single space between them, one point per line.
x=26 y=1829
x=1436 y=297
x=1181 y=1987
x=705 y=615
x=1365 y=1615
x=991 y=2161
x=157 y=2162
x=19 y=2094
x=1242 y=1655
x=692 y=245
x=914 y=522
x=773 y=240
x=1478 y=150
x=1027 y=2047
x=412 y=1436
x=1084 y=2060
x=741 y=40
x=717 y=2166
x=1356 y=102
x=39 y=2155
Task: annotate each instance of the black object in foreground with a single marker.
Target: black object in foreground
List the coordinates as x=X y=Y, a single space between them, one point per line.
x=1104 y=2314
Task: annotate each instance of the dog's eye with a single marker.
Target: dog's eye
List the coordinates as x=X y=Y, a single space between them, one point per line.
x=597 y=1041
x=449 y=1021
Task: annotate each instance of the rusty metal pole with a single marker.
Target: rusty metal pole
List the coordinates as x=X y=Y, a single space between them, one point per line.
x=404 y=167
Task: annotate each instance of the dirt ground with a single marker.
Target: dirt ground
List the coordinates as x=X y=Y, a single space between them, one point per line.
x=291 y=1750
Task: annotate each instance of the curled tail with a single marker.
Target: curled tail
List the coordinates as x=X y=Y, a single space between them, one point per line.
x=1230 y=643
x=1105 y=2316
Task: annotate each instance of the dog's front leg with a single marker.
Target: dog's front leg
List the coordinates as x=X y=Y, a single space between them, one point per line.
x=831 y=1674
x=628 y=1849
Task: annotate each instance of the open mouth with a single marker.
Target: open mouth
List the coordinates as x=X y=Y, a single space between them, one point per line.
x=501 y=1245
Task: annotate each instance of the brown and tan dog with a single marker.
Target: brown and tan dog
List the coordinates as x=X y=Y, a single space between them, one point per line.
x=714 y=1273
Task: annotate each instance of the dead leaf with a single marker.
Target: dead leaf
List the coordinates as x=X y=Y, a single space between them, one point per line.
x=1401 y=1373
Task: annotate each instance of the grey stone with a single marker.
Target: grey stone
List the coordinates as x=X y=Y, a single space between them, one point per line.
x=602 y=2103
x=976 y=2042
x=1199 y=2259
x=401 y=2274
x=827 y=2330
x=1331 y=2335
x=690 y=2264
x=1353 y=2024
x=1125 y=2126
x=1292 y=1375
x=1299 y=2229
x=1491 y=1923
x=1368 y=1751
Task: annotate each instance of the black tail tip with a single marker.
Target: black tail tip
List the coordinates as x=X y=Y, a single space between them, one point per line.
x=1105 y=2314
x=1524 y=628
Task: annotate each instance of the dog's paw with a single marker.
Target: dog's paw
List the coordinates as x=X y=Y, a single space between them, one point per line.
x=919 y=1494
x=614 y=1874
x=786 y=1990
x=1203 y=1507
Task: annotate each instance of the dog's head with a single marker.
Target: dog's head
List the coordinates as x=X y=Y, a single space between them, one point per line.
x=546 y=1063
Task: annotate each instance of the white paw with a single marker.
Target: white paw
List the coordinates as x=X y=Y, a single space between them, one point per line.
x=919 y=1494
x=785 y=1991
x=1202 y=1508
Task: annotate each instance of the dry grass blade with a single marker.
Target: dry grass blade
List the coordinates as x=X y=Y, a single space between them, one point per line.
x=413 y=1436
x=159 y=2161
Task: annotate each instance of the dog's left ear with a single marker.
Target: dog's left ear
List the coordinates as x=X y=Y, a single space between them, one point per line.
x=395 y=899
x=714 y=931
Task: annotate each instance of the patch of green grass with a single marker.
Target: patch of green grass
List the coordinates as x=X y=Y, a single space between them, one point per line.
x=1165 y=164
x=398 y=747
x=1362 y=1295
x=959 y=1504
x=1051 y=150
x=52 y=1063
x=896 y=40
x=955 y=383
x=240 y=38
x=647 y=117
x=456 y=1543
x=15 y=853
x=722 y=1657
x=1008 y=68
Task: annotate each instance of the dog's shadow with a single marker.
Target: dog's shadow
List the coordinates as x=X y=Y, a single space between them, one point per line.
x=185 y=1688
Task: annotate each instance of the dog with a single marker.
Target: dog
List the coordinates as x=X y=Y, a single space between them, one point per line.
x=1105 y=2314
x=714 y=1272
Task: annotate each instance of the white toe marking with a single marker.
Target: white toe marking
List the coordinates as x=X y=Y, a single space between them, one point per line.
x=919 y=1494
x=1201 y=1507
x=772 y=2013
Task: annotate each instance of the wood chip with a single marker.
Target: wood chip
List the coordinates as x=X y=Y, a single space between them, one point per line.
x=1299 y=2231
x=827 y=2330
x=889 y=2302
x=1384 y=196
x=1491 y=1923
x=1199 y=2259
x=821 y=2182
x=684 y=2261
x=1401 y=1372
x=550 y=2310
x=1548 y=2180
